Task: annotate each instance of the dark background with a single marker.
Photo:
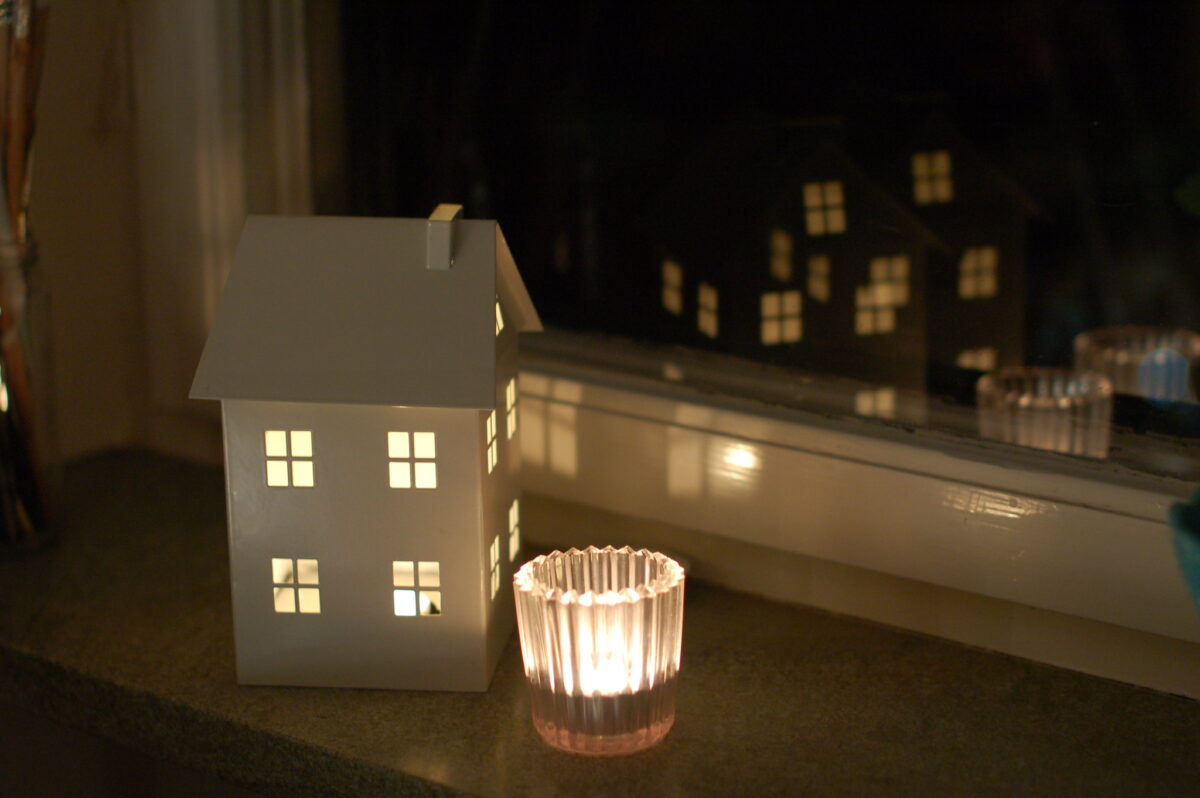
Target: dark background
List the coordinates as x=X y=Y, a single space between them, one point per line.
x=566 y=121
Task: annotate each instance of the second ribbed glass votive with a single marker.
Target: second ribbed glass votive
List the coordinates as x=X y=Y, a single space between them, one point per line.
x=1056 y=409
x=601 y=634
x=1154 y=362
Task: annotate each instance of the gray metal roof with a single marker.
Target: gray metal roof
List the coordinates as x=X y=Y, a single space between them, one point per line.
x=331 y=309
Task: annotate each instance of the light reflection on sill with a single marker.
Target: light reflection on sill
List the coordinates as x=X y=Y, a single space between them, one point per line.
x=980 y=501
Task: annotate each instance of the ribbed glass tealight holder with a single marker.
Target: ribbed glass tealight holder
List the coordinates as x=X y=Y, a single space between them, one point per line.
x=1154 y=362
x=601 y=634
x=1055 y=409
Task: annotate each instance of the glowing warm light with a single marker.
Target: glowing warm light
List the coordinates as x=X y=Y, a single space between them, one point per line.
x=977 y=273
x=818 y=277
x=289 y=469
x=706 y=311
x=510 y=404
x=514 y=530
x=412 y=464
x=287 y=572
x=603 y=682
x=408 y=603
x=672 y=279
x=494 y=554
x=740 y=457
x=781 y=255
x=490 y=431
x=824 y=205
x=932 y=182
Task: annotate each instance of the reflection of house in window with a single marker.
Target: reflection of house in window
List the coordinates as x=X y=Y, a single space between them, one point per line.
x=977 y=273
x=296 y=585
x=412 y=463
x=875 y=303
x=824 y=208
x=548 y=425
x=289 y=465
x=818 y=277
x=781 y=321
x=781 y=254
x=874 y=313
x=699 y=463
x=892 y=274
x=417 y=590
x=932 y=182
x=706 y=314
x=672 y=279
x=877 y=402
x=981 y=359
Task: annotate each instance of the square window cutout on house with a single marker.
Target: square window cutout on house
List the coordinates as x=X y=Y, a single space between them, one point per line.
x=415 y=586
x=412 y=460
x=288 y=458
x=296 y=585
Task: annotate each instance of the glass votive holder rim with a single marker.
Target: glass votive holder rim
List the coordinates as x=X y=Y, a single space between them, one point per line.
x=526 y=580
x=1143 y=338
x=1019 y=386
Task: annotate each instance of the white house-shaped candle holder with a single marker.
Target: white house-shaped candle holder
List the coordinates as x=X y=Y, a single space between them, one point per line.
x=367 y=375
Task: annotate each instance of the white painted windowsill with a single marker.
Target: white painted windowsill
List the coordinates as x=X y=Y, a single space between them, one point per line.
x=1053 y=558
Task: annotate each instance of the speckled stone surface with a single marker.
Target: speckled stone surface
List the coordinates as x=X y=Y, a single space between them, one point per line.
x=125 y=628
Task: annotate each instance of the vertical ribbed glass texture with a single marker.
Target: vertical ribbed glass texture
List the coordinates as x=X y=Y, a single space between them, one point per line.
x=1056 y=409
x=601 y=631
x=1154 y=362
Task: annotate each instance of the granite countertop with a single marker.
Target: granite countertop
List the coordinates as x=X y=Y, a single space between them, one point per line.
x=124 y=628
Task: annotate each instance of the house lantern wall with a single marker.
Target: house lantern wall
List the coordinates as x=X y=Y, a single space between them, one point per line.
x=367 y=372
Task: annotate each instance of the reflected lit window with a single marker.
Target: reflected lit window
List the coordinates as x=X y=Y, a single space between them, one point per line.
x=289 y=458
x=494 y=554
x=977 y=273
x=981 y=359
x=781 y=321
x=412 y=460
x=932 y=181
x=510 y=406
x=564 y=456
x=490 y=433
x=548 y=435
x=818 y=278
x=514 y=530
x=889 y=276
x=416 y=588
x=875 y=303
x=824 y=208
x=672 y=280
x=296 y=585
x=499 y=317
x=706 y=314
x=876 y=402
x=781 y=255
x=872 y=315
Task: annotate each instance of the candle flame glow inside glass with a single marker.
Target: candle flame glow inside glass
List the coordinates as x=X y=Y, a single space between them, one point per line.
x=600 y=636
